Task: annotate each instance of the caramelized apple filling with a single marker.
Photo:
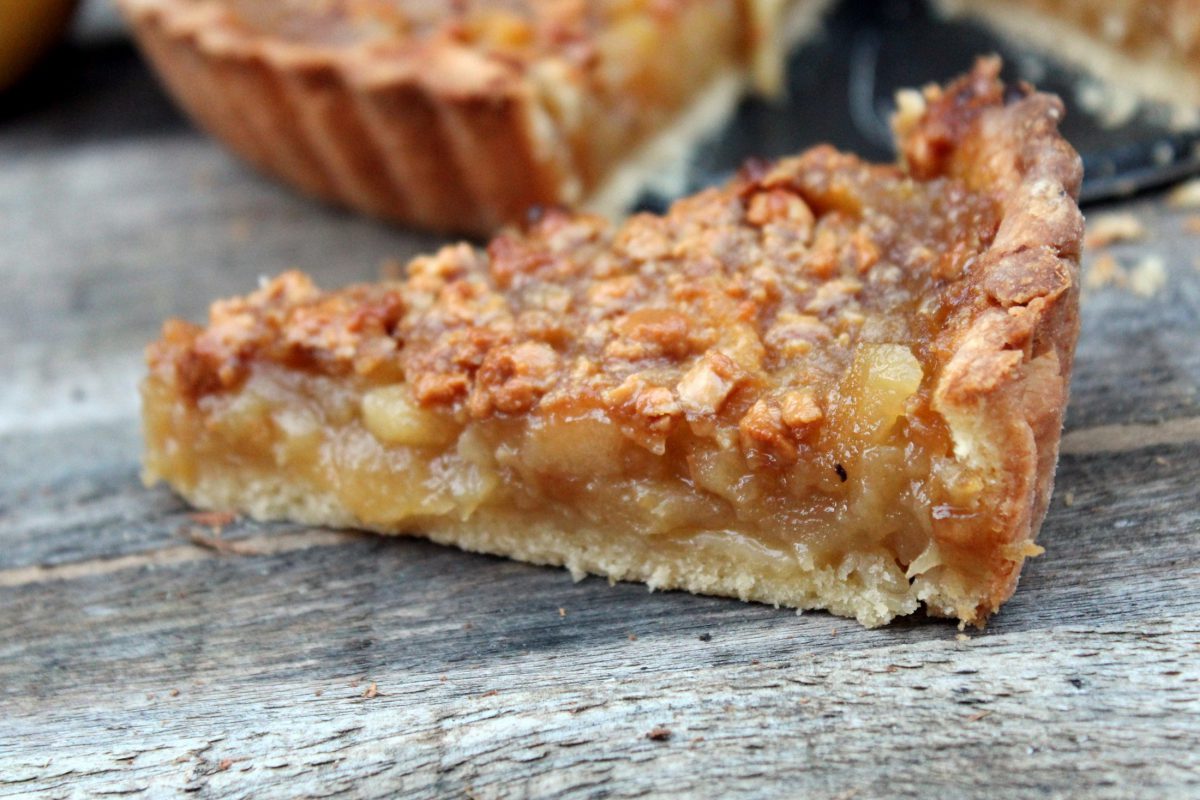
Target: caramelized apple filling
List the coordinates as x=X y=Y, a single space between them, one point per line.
x=745 y=381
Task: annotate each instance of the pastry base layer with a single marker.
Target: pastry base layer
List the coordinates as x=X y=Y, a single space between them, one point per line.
x=711 y=564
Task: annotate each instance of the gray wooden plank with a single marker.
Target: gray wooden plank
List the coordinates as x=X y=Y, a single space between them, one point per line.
x=992 y=716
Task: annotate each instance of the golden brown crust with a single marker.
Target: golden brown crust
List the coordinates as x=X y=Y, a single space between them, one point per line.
x=745 y=315
x=1011 y=347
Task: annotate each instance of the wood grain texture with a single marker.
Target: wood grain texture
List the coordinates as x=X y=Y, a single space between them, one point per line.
x=137 y=660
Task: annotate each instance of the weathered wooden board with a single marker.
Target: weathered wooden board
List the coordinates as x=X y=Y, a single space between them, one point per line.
x=135 y=661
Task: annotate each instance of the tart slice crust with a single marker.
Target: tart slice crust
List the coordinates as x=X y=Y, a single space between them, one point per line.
x=829 y=384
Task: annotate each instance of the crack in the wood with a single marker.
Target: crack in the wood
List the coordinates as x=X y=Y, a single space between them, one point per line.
x=1126 y=437
x=265 y=545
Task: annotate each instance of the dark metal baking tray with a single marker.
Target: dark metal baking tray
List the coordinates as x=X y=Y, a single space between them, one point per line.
x=841 y=86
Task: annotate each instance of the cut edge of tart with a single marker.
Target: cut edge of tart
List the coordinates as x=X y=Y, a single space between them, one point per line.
x=464 y=131
x=827 y=385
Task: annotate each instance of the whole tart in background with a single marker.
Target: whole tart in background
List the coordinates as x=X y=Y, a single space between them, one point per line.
x=461 y=116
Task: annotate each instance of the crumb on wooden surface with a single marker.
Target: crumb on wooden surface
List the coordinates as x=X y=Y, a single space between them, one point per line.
x=371 y=692
x=705 y=637
x=562 y=612
x=1185 y=195
x=174 y=693
x=978 y=715
x=633 y=637
x=1145 y=278
x=213 y=519
x=1104 y=271
x=490 y=693
x=217 y=544
x=962 y=637
x=1148 y=276
x=1069 y=499
x=659 y=734
x=1111 y=228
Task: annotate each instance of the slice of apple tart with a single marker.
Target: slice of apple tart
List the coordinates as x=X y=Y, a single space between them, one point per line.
x=829 y=384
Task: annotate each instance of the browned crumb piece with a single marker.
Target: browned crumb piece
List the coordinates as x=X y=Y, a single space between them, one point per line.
x=491 y=693
x=371 y=692
x=659 y=734
x=217 y=544
x=1145 y=278
x=978 y=715
x=174 y=693
x=1104 y=271
x=1148 y=276
x=1110 y=229
x=213 y=519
